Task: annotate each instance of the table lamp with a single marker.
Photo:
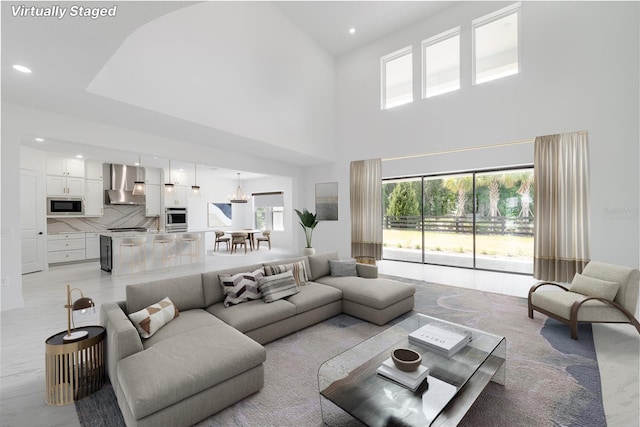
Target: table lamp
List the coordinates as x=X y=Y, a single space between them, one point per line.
x=81 y=304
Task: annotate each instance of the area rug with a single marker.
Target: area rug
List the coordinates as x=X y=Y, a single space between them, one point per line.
x=551 y=380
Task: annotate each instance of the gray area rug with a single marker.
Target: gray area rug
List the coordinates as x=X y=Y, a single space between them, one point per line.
x=551 y=380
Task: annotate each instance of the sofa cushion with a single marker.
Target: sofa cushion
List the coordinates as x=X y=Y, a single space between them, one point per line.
x=560 y=302
x=586 y=285
x=297 y=268
x=374 y=293
x=188 y=321
x=314 y=295
x=150 y=319
x=341 y=268
x=185 y=292
x=166 y=374
x=241 y=287
x=320 y=264
x=211 y=282
x=278 y=286
x=253 y=314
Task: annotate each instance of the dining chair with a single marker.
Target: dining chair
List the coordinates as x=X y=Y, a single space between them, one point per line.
x=238 y=239
x=266 y=237
x=220 y=239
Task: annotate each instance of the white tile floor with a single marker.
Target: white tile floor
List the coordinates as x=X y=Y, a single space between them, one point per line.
x=23 y=331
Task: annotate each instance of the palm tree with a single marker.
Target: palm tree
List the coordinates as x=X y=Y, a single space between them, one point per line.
x=460 y=185
x=526 y=180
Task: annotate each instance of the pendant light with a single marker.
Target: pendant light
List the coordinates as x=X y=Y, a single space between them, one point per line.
x=168 y=186
x=239 y=196
x=195 y=187
x=139 y=186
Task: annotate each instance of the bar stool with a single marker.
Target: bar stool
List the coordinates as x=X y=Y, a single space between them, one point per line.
x=139 y=242
x=163 y=240
x=191 y=238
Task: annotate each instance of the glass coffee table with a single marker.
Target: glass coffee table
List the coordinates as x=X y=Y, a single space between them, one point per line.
x=352 y=394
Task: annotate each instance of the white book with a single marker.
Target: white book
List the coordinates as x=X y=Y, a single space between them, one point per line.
x=411 y=380
x=443 y=340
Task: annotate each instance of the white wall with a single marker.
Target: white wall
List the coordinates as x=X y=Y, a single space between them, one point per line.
x=242 y=67
x=579 y=71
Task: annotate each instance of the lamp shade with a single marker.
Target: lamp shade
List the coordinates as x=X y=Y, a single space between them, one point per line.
x=80 y=304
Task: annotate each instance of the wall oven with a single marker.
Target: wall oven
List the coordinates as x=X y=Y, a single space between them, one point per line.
x=65 y=206
x=176 y=220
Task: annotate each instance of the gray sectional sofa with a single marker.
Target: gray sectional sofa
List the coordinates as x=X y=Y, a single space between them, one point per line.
x=211 y=356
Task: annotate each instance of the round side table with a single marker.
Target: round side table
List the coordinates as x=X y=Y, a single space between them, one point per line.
x=74 y=369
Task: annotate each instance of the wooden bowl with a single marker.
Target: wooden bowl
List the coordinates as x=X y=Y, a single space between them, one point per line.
x=405 y=359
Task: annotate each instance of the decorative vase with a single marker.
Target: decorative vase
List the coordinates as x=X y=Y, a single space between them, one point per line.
x=308 y=251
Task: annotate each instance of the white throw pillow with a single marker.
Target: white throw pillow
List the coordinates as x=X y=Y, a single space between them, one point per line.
x=593 y=287
x=149 y=320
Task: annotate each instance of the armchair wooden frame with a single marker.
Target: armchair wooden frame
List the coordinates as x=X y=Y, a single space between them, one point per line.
x=573 y=320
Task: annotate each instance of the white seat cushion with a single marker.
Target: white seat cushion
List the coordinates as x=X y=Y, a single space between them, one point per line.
x=560 y=302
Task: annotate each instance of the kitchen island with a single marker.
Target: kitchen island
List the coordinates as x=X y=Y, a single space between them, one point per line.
x=137 y=251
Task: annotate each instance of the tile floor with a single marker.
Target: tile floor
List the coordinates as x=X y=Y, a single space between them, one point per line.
x=23 y=331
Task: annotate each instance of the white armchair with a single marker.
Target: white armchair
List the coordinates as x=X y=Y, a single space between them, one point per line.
x=603 y=293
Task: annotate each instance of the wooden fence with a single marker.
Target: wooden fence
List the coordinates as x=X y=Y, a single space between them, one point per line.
x=450 y=224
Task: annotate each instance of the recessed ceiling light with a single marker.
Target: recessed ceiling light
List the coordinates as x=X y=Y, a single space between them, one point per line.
x=78 y=156
x=352 y=30
x=39 y=139
x=21 y=68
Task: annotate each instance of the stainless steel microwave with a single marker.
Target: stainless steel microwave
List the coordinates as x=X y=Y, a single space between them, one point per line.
x=65 y=206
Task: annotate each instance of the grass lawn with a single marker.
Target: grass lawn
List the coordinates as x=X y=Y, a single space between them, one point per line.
x=494 y=245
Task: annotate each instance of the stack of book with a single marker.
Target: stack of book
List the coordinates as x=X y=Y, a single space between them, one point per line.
x=441 y=339
x=410 y=380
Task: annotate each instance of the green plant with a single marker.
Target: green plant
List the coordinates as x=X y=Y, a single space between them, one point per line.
x=308 y=222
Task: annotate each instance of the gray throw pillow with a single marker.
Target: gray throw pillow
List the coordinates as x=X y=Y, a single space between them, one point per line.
x=592 y=287
x=278 y=286
x=342 y=268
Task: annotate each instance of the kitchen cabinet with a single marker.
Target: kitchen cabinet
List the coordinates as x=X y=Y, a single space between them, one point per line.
x=65 y=177
x=65 y=186
x=65 y=247
x=177 y=197
x=153 y=200
x=93 y=170
x=153 y=176
x=92 y=245
x=65 y=167
x=94 y=199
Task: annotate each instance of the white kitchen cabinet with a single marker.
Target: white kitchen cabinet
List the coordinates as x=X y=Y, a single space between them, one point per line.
x=153 y=200
x=153 y=176
x=65 y=247
x=65 y=167
x=93 y=170
x=65 y=186
x=180 y=178
x=92 y=245
x=94 y=199
x=177 y=197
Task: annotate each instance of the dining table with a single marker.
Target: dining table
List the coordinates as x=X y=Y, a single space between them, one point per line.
x=251 y=235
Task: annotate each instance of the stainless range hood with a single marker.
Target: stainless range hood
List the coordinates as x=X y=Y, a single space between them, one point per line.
x=119 y=184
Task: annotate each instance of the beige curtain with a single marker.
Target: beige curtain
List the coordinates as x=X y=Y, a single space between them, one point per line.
x=366 y=209
x=561 y=173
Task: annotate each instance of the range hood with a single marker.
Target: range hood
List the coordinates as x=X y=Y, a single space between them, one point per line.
x=119 y=184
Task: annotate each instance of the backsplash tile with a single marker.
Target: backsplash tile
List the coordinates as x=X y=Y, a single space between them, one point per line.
x=115 y=216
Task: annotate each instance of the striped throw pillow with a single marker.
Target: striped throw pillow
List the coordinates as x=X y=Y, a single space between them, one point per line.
x=297 y=268
x=241 y=287
x=278 y=286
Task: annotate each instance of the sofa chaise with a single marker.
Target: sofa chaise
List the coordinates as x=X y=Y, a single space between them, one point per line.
x=210 y=356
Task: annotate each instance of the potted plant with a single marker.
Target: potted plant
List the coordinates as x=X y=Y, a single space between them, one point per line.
x=308 y=222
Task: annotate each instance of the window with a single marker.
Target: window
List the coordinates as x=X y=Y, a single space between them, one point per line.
x=441 y=63
x=268 y=211
x=397 y=78
x=495 y=44
x=481 y=220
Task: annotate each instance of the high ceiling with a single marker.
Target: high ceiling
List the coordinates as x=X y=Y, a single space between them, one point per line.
x=65 y=55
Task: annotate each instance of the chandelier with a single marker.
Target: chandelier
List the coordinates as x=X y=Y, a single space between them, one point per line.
x=239 y=196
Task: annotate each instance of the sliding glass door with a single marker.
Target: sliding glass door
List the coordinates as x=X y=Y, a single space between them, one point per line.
x=478 y=220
